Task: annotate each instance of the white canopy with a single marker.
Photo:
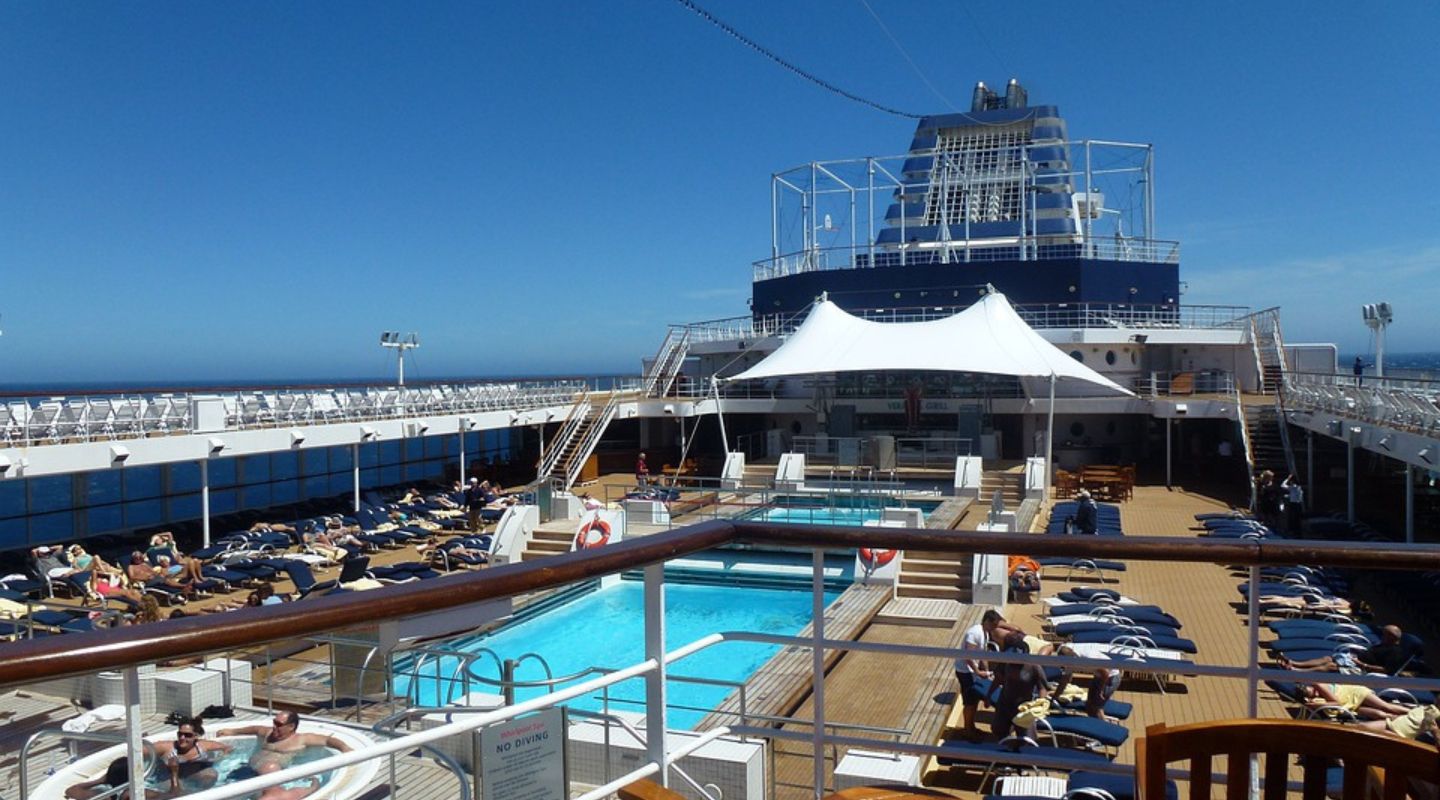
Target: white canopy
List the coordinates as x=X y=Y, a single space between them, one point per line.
x=988 y=337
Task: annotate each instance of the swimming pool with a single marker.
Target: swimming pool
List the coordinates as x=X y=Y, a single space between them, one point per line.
x=605 y=628
x=826 y=510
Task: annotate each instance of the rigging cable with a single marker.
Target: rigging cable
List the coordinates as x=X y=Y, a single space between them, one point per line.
x=815 y=79
x=886 y=30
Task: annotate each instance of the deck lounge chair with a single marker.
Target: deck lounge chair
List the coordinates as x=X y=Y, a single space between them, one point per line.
x=988 y=755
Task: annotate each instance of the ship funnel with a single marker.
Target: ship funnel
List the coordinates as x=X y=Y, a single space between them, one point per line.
x=1015 y=95
x=980 y=100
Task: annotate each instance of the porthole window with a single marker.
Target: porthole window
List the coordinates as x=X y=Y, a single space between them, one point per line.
x=1077 y=429
x=1078 y=356
x=897 y=295
x=1110 y=357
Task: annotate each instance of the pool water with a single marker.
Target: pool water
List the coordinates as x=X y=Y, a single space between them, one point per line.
x=605 y=628
x=235 y=766
x=822 y=510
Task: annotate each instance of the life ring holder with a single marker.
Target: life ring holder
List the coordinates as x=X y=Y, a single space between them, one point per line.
x=877 y=558
x=582 y=539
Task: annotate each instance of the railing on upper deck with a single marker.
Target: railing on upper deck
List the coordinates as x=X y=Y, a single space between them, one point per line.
x=28 y=421
x=823 y=259
x=1409 y=404
x=126 y=648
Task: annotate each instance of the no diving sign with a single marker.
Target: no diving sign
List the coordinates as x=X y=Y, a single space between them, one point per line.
x=524 y=758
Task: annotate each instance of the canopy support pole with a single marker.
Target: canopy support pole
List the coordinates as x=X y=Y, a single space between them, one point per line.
x=1050 y=439
x=719 y=414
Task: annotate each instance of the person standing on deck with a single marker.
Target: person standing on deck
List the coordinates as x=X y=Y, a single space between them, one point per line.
x=1359 y=370
x=967 y=668
x=1294 y=504
x=642 y=471
x=1017 y=684
x=1087 y=518
x=474 y=502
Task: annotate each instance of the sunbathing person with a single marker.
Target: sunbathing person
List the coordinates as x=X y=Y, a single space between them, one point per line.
x=1388 y=657
x=1024 y=574
x=163 y=549
x=109 y=582
x=1016 y=684
x=49 y=564
x=1329 y=605
x=1359 y=700
x=141 y=573
x=1410 y=725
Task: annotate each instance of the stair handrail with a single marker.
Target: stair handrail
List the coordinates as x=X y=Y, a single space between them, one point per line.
x=675 y=337
x=579 y=411
x=1245 y=446
x=677 y=362
x=590 y=438
x=1278 y=345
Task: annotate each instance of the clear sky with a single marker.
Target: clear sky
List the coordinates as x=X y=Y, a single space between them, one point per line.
x=245 y=190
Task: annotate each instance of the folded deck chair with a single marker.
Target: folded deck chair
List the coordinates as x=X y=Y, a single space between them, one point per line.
x=1070 y=629
x=1120 y=787
x=1143 y=615
x=987 y=755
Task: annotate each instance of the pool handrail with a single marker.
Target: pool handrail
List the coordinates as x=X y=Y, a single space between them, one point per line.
x=111 y=737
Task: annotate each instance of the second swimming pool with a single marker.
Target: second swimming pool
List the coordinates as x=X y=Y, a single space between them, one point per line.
x=605 y=628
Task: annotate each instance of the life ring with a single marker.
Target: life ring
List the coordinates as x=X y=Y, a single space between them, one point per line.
x=875 y=559
x=582 y=539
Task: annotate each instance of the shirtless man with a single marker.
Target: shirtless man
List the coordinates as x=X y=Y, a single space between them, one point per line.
x=280 y=741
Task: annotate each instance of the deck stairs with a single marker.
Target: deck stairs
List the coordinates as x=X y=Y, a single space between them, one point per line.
x=935 y=575
x=1268 y=436
x=669 y=360
x=578 y=437
x=1009 y=481
x=579 y=411
x=546 y=541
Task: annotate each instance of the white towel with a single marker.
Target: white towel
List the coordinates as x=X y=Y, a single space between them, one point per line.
x=105 y=713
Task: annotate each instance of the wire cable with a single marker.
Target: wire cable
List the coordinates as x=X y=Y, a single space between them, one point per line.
x=815 y=79
x=886 y=30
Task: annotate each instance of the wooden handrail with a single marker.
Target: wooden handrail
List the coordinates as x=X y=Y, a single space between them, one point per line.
x=1316 y=743
x=75 y=654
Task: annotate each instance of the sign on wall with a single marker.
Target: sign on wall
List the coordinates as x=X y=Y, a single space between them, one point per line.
x=524 y=758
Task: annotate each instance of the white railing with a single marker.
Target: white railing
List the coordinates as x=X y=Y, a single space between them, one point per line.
x=1400 y=403
x=54 y=420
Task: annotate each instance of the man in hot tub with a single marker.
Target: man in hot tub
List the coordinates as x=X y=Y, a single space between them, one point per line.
x=280 y=741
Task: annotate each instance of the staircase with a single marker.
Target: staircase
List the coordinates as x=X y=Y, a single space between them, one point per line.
x=1009 y=482
x=669 y=360
x=555 y=449
x=546 y=543
x=576 y=442
x=1262 y=430
x=943 y=576
x=1269 y=350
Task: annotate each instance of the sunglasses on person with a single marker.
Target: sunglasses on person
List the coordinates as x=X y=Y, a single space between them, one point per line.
x=185 y=735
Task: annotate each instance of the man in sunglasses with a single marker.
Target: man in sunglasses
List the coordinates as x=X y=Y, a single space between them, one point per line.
x=281 y=741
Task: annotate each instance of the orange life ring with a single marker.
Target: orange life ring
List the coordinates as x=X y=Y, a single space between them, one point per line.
x=874 y=559
x=582 y=539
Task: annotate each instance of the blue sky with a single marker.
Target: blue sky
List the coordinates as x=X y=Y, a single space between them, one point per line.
x=246 y=190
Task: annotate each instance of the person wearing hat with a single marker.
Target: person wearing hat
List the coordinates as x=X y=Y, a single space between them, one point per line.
x=1086 y=519
x=474 y=502
x=50 y=564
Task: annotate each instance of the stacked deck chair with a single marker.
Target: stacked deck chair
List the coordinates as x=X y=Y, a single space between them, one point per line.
x=1108 y=524
x=987 y=755
x=1107 y=518
x=1086 y=785
x=1101 y=623
x=1233 y=527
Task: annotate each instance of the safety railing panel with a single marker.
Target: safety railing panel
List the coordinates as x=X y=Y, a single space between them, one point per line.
x=60 y=420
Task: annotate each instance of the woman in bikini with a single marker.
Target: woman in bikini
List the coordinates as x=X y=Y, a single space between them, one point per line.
x=191 y=759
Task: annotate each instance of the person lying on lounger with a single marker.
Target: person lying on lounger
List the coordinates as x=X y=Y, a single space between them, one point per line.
x=1358 y=700
x=1388 y=657
x=1329 y=605
x=1411 y=725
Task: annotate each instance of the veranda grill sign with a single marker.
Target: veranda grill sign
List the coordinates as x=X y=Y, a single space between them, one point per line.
x=524 y=758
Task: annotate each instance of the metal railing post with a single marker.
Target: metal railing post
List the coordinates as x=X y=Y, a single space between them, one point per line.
x=655 y=749
x=817 y=666
x=1252 y=680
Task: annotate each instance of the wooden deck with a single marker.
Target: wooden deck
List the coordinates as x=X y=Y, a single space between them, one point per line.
x=862 y=688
